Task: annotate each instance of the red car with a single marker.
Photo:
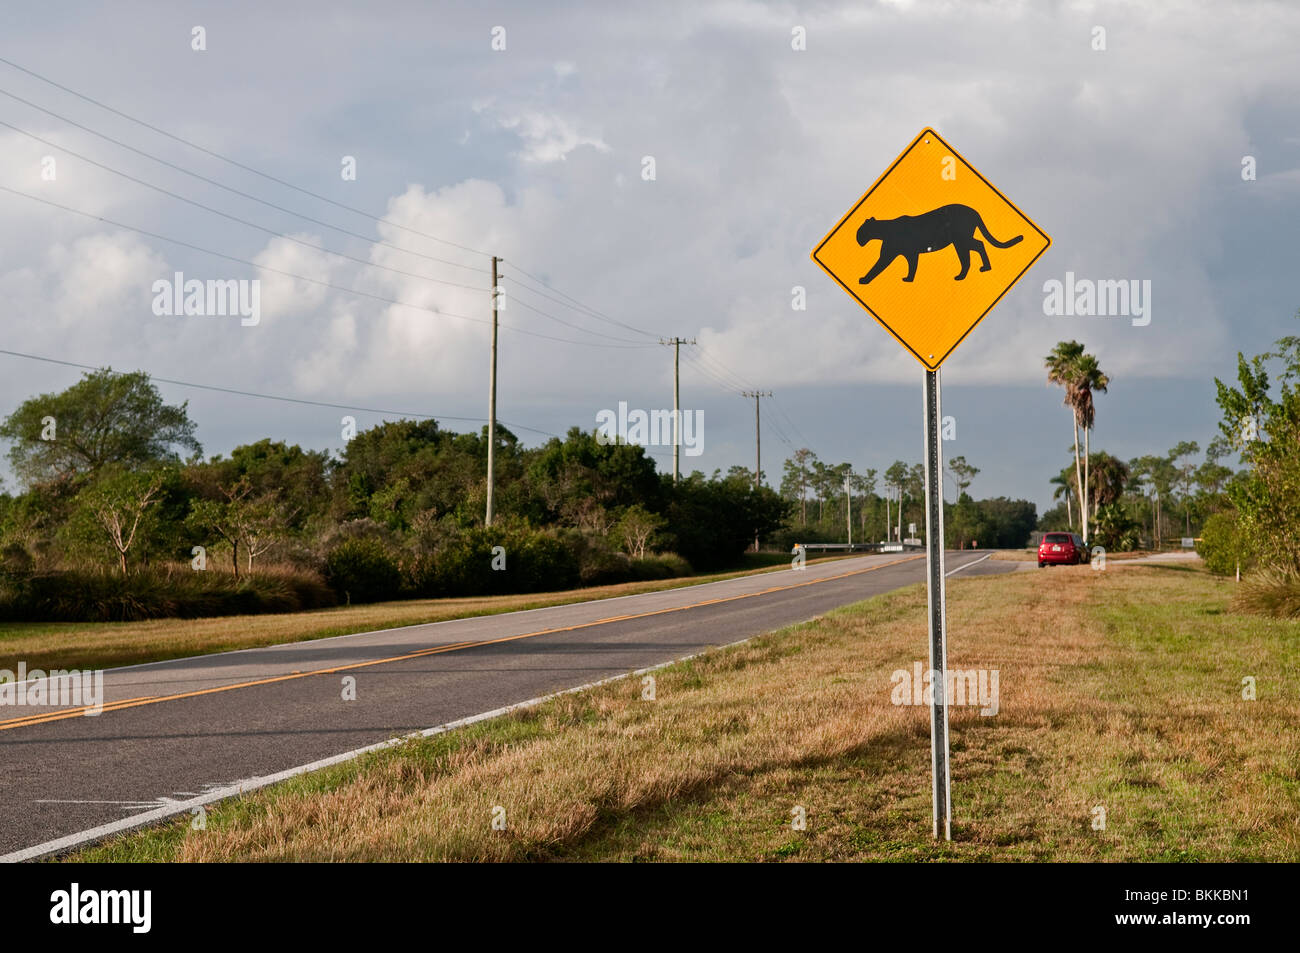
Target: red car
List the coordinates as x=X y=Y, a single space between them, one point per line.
x=1063 y=549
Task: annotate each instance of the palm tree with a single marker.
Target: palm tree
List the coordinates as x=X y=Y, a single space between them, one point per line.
x=1062 y=370
x=1089 y=377
x=1063 y=489
x=1109 y=478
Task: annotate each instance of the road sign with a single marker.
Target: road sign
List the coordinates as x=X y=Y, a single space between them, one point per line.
x=930 y=215
x=930 y=249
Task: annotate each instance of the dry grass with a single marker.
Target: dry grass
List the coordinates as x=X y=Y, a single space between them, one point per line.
x=1120 y=689
x=90 y=645
x=1031 y=555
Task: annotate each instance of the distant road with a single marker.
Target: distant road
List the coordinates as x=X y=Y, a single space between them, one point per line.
x=172 y=731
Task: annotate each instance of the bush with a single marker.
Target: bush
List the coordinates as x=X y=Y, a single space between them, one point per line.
x=1272 y=592
x=456 y=561
x=1114 y=531
x=1223 y=545
x=362 y=569
x=660 y=566
x=157 y=592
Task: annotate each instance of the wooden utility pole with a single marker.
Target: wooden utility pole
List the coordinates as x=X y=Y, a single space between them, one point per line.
x=758 y=443
x=758 y=434
x=492 y=397
x=848 y=513
x=677 y=343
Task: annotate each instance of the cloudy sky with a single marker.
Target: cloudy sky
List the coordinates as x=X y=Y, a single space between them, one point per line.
x=1130 y=157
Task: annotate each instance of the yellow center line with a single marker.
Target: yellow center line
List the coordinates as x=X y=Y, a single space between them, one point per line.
x=421 y=653
x=37 y=718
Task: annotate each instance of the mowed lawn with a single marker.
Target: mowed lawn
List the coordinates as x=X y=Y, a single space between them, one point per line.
x=91 y=645
x=1119 y=689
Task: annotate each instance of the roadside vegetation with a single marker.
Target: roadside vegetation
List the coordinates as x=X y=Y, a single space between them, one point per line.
x=113 y=523
x=89 y=645
x=1245 y=522
x=1121 y=690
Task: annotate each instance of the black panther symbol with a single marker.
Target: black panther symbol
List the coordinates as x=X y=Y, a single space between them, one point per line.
x=911 y=236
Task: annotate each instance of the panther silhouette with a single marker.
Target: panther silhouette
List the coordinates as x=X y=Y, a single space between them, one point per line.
x=911 y=236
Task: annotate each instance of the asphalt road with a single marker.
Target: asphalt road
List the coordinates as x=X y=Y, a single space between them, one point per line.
x=171 y=731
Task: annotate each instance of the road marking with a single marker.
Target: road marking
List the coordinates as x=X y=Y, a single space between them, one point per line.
x=83 y=710
x=63 y=714
x=249 y=785
x=967 y=565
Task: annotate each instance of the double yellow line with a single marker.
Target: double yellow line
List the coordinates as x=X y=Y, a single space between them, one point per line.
x=125 y=703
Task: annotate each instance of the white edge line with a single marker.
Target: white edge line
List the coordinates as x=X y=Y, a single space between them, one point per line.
x=958 y=569
x=135 y=821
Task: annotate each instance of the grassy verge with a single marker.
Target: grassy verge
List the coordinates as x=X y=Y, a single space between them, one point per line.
x=1118 y=689
x=90 y=645
x=1031 y=555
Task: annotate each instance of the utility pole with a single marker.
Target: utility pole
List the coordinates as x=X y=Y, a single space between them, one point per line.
x=758 y=434
x=492 y=397
x=758 y=444
x=848 y=513
x=677 y=343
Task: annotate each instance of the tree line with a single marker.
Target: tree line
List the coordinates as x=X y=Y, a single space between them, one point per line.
x=117 y=500
x=1123 y=505
x=825 y=498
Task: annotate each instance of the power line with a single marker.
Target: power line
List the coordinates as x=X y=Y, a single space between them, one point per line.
x=236 y=218
x=278 y=397
x=740 y=382
x=221 y=185
x=236 y=163
x=711 y=377
x=314 y=281
x=793 y=426
x=305 y=244
x=576 y=304
x=568 y=324
x=301 y=400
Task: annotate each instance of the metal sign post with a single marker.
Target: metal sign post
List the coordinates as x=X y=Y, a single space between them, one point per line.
x=895 y=252
x=937 y=605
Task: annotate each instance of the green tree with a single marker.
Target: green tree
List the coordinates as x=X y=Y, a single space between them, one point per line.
x=795 y=480
x=1069 y=367
x=1109 y=476
x=963 y=472
x=636 y=529
x=119 y=504
x=1179 y=458
x=896 y=479
x=226 y=518
x=105 y=419
x=1062 y=370
x=1266 y=432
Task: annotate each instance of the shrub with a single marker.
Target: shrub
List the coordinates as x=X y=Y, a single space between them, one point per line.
x=1273 y=592
x=660 y=566
x=456 y=561
x=1223 y=545
x=173 y=590
x=362 y=569
x=1114 y=530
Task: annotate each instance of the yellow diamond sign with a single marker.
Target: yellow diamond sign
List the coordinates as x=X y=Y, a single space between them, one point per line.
x=931 y=248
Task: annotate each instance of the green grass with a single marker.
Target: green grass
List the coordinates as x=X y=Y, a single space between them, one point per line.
x=1120 y=689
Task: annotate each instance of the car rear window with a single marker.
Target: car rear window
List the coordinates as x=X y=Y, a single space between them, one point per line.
x=1057 y=538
